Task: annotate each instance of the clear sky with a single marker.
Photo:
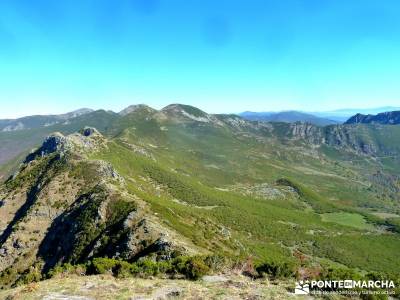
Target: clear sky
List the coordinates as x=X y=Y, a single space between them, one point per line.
x=219 y=55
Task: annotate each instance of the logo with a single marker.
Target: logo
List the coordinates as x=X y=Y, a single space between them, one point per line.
x=302 y=288
x=344 y=287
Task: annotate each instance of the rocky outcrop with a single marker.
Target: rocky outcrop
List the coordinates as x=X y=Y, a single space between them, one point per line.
x=14 y=127
x=53 y=143
x=307 y=132
x=86 y=140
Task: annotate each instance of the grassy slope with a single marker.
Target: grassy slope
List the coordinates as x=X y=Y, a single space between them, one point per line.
x=194 y=161
x=265 y=229
x=347 y=219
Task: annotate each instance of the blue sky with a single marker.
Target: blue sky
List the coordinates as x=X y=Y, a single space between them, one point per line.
x=219 y=55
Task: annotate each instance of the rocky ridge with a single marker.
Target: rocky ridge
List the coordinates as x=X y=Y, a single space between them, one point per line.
x=64 y=207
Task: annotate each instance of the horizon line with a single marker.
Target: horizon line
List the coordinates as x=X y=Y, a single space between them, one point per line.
x=338 y=110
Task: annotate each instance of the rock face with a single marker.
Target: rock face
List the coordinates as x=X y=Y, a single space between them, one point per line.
x=86 y=140
x=306 y=131
x=387 y=118
x=348 y=137
x=62 y=207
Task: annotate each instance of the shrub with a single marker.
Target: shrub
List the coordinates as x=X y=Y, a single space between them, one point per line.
x=193 y=267
x=277 y=269
x=31 y=275
x=67 y=269
x=217 y=263
x=339 y=274
x=103 y=265
x=123 y=269
x=149 y=267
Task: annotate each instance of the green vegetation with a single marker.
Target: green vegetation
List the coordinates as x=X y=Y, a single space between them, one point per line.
x=87 y=227
x=85 y=222
x=347 y=219
x=318 y=203
x=267 y=222
x=191 y=267
x=277 y=270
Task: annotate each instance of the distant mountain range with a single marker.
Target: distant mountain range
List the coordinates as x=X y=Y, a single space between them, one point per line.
x=18 y=136
x=317 y=118
x=287 y=117
x=391 y=117
x=38 y=121
x=291 y=116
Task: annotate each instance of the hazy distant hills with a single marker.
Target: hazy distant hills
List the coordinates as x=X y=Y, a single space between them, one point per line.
x=287 y=117
x=291 y=116
x=343 y=115
x=317 y=118
x=20 y=140
x=32 y=122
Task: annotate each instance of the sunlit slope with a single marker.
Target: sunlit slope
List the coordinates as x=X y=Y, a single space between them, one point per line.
x=238 y=192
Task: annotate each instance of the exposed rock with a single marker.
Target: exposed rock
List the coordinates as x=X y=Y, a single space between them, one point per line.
x=107 y=171
x=137 y=149
x=265 y=191
x=215 y=278
x=87 y=140
x=306 y=131
x=185 y=114
x=62 y=296
x=14 y=127
x=88 y=131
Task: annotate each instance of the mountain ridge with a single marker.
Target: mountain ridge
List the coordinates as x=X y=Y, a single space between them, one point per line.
x=35 y=121
x=385 y=118
x=15 y=144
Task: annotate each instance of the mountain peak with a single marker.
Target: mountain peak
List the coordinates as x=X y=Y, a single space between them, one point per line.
x=187 y=112
x=136 y=108
x=76 y=113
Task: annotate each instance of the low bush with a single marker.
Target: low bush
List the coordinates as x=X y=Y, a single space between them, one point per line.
x=67 y=269
x=191 y=267
x=277 y=270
